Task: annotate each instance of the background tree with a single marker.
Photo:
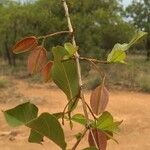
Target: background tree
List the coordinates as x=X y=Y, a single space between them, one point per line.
x=94 y=22
x=139 y=12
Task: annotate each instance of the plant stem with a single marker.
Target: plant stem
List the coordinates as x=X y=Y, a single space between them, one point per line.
x=102 y=74
x=77 y=59
x=91 y=111
x=95 y=143
x=94 y=60
x=78 y=66
x=53 y=34
x=79 y=140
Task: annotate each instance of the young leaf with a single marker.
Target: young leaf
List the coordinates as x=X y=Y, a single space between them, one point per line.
x=35 y=137
x=100 y=138
x=46 y=71
x=118 y=52
x=99 y=99
x=138 y=35
x=64 y=74
x=70 y=48
x=79 y=118
x=47 y=125
x=21 y=114
x=26 y=44
x=37 y=60
x=106 y=123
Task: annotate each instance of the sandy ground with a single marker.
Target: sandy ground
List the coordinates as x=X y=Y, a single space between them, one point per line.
x=131 y=107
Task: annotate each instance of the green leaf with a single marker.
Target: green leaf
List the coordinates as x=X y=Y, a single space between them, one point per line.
x=70 y=48
x=90 y=148
x=44 y=125
x=79 y=118
x=64 y=74
x=138 y=36
x=118 y=52
x=105 y=123
x=21 y=114
x=47 y=125
x=35 y=137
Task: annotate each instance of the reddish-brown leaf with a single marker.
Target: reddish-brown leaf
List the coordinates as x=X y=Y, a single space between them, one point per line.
x=37 y=60
x=99 y=99
x=100 y=138
x=46 y=71
x=26 y=44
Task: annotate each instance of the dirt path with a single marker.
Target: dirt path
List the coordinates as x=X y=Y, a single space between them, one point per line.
x=132 y=107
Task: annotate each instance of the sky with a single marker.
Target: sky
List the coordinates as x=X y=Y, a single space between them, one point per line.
x=126 y=2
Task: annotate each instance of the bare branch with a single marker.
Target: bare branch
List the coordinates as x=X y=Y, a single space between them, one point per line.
x=78 y=65
x=53 y=34
x=76 y=58
x=91 y=111
x=94 y=60
x=95 y=143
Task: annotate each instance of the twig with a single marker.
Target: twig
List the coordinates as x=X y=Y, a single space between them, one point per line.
x=79 y=140
x=93 y=60
x=77 y=62
x=64 y=111
x=69 y=111
x=53 y=34
x=91 y=111
x=76 y=58
x=95 y=143
x=102 y=74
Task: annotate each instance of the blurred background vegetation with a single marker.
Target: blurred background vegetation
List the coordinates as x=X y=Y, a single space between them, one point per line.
x=98 y=25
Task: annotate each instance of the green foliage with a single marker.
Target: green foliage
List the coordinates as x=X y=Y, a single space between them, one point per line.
x=138 y=36
x=79 y=118
x=93 y=29
x=35 y=137
x=44 y=125
x=47 y=125
x=105 y=123
x=118 y=52
x=139 y=13
x=21 y=114
x=64 y=73
x=70 y=48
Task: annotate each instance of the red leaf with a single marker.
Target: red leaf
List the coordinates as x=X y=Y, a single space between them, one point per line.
x=26 y=44
x=46 y=71
x=37 y=60
x=100 y=138
x=99 y=99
